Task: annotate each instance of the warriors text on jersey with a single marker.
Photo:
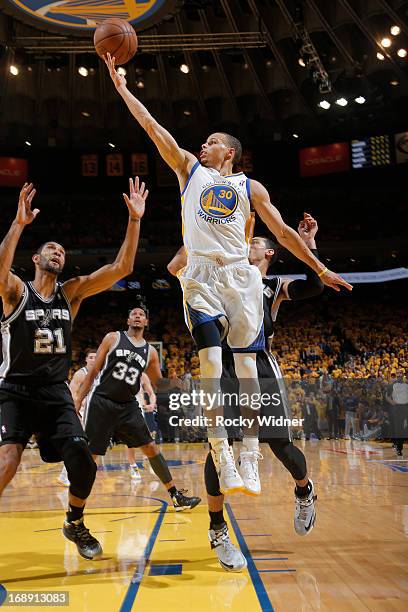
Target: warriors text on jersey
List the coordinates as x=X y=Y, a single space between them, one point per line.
x=216 y=214
x=36 y=339
x=119 y=379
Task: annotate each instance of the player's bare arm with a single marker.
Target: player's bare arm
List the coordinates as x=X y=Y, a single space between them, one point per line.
x=178 y=262
x=11 y=286
x=86 y=385
x=80 y=287
x=178 y=159
x=153 y=371
x=148 y=389
x=290 y=239
x=76 y=382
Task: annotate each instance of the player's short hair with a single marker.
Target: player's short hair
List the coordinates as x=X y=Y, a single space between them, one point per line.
x=142 y=307
x=40 y=248
x=234 y=143
x=90 y=350
x=270 y=244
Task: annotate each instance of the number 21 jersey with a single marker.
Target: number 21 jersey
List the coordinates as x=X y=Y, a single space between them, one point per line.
x=119 y=379
x=36 y=339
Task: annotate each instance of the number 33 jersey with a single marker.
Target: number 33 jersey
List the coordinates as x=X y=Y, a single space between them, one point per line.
x=119 y=379
x=36 y=339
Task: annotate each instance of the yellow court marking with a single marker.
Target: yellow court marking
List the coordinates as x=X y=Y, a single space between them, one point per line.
x=35 y=556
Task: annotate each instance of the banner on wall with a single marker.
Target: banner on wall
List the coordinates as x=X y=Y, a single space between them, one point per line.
x=89 y=165
x=114 y=164
x=316 y=161
x=13 y=171
x=140 y=164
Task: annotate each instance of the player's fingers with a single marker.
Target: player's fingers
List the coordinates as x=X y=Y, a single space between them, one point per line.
x=146 y=193
x=35 y=212
x=31 y=195
x=131 y=187
x=142 y=188
x=126 y=199
x=137 y=182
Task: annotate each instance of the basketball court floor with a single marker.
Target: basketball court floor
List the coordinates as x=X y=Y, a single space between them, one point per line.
x=156 y=559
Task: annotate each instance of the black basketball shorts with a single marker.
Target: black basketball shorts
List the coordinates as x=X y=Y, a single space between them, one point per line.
x=47 y=411
x=104 y=419
x=274 y=411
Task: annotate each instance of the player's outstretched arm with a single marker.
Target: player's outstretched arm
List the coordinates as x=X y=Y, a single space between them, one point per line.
x=148 y=389
x=178 y=262
x=311 y=287
x=178 y=159
x=11 y=287
x=84 y=388
x=81 y=287
x=290 y=239
x=153 y=371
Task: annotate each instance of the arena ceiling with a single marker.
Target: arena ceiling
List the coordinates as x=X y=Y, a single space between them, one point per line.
x=259 y=68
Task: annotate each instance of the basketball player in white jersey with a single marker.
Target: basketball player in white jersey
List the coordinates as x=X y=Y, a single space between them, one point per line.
x=222 y=292
x=74 y=385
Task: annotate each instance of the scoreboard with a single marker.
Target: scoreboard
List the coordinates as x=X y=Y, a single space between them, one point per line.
x=370 y=152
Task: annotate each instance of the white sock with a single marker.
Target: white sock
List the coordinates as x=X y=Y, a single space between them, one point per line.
x=250 y=444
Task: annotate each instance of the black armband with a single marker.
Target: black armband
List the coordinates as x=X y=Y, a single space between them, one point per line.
x=303 y=289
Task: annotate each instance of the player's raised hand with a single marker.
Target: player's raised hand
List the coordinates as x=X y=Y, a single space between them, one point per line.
x=118 y=79
x=24 y=213
x=308 y=227
x=136 y=199
x=333 y=280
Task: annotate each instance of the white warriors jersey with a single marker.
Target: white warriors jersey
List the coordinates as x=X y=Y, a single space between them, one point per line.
x=216 y=214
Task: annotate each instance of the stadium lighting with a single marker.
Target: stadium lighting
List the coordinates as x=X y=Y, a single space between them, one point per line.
x=14 y=70
x=185 y=69
x=324 y=104
x=85 y=114
x=295 y=135
x=386 y=42
x=140 y=83
x=187 y=113
x=301 y=62
x=83 y=71
x=394 y=83
x=342 y=102
x=122 y=71
x=360 y=100
x=380 y=56
x=402 y=52
x=395 y=30
x=28 y=143
x=111 y=145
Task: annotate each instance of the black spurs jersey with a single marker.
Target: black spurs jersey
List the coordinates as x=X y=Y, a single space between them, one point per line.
x=36 y=339
x=271 y=288
x=119 y=379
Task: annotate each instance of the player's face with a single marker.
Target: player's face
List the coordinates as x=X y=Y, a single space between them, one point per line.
x=214 y=151
x=137 y=318
x=258 y=250
x=90 y=358
x=51 y=259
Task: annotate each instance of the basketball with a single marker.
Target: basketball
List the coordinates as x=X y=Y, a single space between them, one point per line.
x=117 y=37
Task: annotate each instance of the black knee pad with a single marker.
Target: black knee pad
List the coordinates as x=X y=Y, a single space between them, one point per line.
x=80 y=465
x=212 y=484
x=291 y=456
x=208 y=334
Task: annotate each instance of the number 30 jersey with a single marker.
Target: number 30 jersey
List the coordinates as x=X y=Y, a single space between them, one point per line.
x=36 y=339
x=119 y=379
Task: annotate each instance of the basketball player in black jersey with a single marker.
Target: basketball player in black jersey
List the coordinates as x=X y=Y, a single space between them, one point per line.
x=36 y=334
x=263 y=253
x=112 y=408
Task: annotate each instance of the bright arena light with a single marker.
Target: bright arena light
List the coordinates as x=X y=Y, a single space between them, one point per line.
x=301 y=62
x=14 y=70
x=360 y=100
x=295 y=135
x=380 y=56
x=395 y=30
x=402 y=52
x=386 y=42
x=111 y=145
x=324 y=104
x=83 y=71
x=342 y=102
x=122 y=71
x=185 y=68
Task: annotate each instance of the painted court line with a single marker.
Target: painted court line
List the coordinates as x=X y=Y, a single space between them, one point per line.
x=260 y=590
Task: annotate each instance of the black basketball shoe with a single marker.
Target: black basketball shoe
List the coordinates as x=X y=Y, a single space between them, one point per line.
x=182 y=502
x=88 y=546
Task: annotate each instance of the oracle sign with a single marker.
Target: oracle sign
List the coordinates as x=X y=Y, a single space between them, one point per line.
x=315 y=161
x=13 y=171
